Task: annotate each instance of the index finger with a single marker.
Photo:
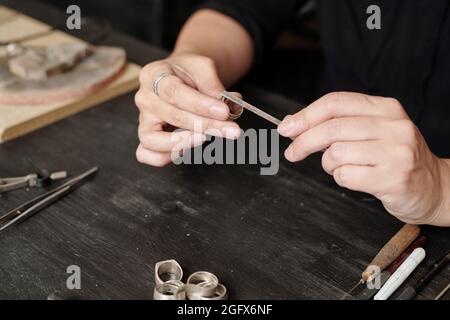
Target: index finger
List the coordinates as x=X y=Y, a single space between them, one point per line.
x=336 y=105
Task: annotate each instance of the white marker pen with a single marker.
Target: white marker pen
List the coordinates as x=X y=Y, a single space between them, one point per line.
x=402 y=273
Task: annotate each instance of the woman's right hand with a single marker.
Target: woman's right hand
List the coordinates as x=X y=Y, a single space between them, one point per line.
x=188 y=99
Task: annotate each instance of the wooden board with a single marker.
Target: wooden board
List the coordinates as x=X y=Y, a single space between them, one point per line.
x=16 y=121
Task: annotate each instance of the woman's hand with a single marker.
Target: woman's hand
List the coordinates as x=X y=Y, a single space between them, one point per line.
x=188 y=99
x=373 y=147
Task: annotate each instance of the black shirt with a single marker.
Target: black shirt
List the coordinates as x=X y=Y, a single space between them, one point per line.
x=408 y=58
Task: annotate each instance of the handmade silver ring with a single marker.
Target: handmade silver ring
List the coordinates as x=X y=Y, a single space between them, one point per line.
x=167 y=270
x=206 y=281
x=158 y=79
x=220 y=294
x=170 y=290
x=235 y=109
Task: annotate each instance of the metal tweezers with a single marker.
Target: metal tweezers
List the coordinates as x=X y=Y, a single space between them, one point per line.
x=31 y=207
x=251 y=108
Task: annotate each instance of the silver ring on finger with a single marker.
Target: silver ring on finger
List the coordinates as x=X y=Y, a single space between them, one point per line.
x=158 y=79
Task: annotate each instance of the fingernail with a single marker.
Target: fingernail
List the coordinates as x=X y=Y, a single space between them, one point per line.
x=289 y=153
x=219 y=111
x=286 y=126
x=232 y=132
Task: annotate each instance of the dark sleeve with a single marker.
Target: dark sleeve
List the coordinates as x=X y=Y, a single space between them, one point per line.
x=263 y=19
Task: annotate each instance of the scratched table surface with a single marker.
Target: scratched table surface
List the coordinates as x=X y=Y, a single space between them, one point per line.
x=293 y=235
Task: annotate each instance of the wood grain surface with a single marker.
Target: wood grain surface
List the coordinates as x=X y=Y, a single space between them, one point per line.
x=295 y=235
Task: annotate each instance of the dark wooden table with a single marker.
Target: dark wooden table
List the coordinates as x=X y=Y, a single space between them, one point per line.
x=288 y=236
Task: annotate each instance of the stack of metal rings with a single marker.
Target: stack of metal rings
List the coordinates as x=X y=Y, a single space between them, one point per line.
x=200 y=285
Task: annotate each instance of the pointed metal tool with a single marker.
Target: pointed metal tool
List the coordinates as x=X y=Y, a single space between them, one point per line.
x=31 y=207
x=227 y=95
x=388 y=259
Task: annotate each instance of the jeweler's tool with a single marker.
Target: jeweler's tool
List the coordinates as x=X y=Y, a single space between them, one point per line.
x=391 y=251
x=249 y=107
x=366 y=292
x=388 y=254
x=402 y=273
x=39 y=179
x=411 y=291
x=33 y=206
x=234 y=115
x=444 y=291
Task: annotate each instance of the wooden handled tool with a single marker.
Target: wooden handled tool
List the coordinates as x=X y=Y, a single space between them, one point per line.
x=391 y=251
x=365 y=293
x=420 y=242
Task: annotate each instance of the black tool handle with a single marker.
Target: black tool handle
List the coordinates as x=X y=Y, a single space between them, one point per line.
x=408 y=294
x=437 y=266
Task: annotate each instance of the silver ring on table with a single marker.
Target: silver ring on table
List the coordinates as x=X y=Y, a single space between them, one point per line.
x=169 y=290
x=205 y=281
x=167 y=270
x=158 y=79
x=220 y=294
